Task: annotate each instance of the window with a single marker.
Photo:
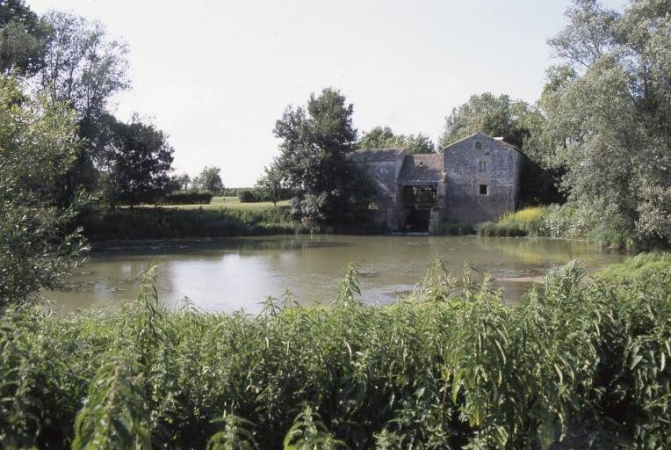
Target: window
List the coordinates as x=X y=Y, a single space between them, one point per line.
x=482 y=166
x=483 y=189
x=478 y=145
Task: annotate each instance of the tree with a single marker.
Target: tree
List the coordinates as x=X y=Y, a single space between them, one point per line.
x=38 y=143
x=136 y=163
x=84 y=68
x=271 y=183
x=82 y=65
x=316 y=139
x=495 y=116
x=182 y=181
x=22 y=38
x=210 y=180
x=608 y=115
x=383 y=137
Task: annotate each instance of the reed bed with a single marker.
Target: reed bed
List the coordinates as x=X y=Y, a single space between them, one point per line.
x=584 y=364
x=525 y=222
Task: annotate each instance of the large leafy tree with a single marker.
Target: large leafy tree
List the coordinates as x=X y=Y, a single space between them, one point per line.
x=38 y=143
x=210 y=179
x=136 y=163
x=82 y=67
x=384 y=137
x=22 y=38
x=609 y=114
x=492 y=115
x=316 y=140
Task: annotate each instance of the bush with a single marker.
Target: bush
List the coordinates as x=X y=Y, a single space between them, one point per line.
x=256 y=195
x=187 y=198
x=450 y=366
x=637 y=267
x=569 y=221
x=250 y=196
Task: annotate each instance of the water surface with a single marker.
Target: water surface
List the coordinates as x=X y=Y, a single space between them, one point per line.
x=236 y=273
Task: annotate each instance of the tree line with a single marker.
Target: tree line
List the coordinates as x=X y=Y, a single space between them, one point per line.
x=596 y=141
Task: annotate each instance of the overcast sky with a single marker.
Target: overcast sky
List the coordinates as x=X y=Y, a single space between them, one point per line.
x=215 y=75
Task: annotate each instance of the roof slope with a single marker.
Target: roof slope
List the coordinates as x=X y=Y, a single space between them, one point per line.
x=422 y=169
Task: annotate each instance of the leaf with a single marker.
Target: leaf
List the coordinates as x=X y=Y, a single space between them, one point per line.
x=637 y=359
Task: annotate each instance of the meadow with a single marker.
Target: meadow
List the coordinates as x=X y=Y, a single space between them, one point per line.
x=229 y=203
x=581 y=363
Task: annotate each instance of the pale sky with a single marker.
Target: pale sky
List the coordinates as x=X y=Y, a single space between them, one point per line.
x=215 y=75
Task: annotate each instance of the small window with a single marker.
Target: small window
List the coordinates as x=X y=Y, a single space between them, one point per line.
x=482 y=166
x=483 y=189
x=478 y=145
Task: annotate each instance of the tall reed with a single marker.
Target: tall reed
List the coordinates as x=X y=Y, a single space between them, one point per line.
x=579 y=362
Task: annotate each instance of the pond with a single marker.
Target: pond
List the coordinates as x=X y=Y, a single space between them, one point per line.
x=239 y=273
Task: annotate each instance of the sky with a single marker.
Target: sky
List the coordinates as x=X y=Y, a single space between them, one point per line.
x=215 y=75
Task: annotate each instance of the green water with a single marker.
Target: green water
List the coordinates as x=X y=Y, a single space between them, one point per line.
x=237 y=273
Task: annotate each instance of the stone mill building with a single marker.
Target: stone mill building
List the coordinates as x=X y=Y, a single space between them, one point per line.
x=473 y=180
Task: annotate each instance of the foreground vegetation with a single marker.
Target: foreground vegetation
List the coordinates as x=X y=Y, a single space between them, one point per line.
x=449 y=366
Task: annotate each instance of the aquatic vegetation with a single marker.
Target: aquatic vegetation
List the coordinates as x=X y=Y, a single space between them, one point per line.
x=525 y=222
x=449 y=366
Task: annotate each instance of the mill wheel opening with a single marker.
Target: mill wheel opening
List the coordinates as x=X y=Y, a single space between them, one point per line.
x=419 y=200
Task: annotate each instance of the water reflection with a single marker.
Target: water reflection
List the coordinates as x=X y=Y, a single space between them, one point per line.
x=231 y=274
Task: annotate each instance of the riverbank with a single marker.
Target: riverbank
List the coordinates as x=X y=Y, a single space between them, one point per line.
x=175 y=223
x=448 y=366
x=566 y=222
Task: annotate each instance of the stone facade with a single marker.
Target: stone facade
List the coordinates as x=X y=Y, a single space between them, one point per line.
x=473 y=180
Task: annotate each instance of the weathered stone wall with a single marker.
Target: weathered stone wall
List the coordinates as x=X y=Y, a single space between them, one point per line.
x=493 y=164
x=383 y=168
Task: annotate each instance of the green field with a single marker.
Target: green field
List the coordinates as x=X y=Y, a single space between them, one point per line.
x=219 y=203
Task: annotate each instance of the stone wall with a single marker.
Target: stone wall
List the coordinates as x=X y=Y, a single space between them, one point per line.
x=383 y=168
x=482 y=176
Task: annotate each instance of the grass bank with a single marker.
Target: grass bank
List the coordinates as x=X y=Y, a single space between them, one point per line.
x=450 y=366
x=178 y=222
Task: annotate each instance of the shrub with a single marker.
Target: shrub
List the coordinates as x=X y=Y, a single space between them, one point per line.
x=187 y=198
x=250 y=196
x=568 y=221
x=255 y=195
